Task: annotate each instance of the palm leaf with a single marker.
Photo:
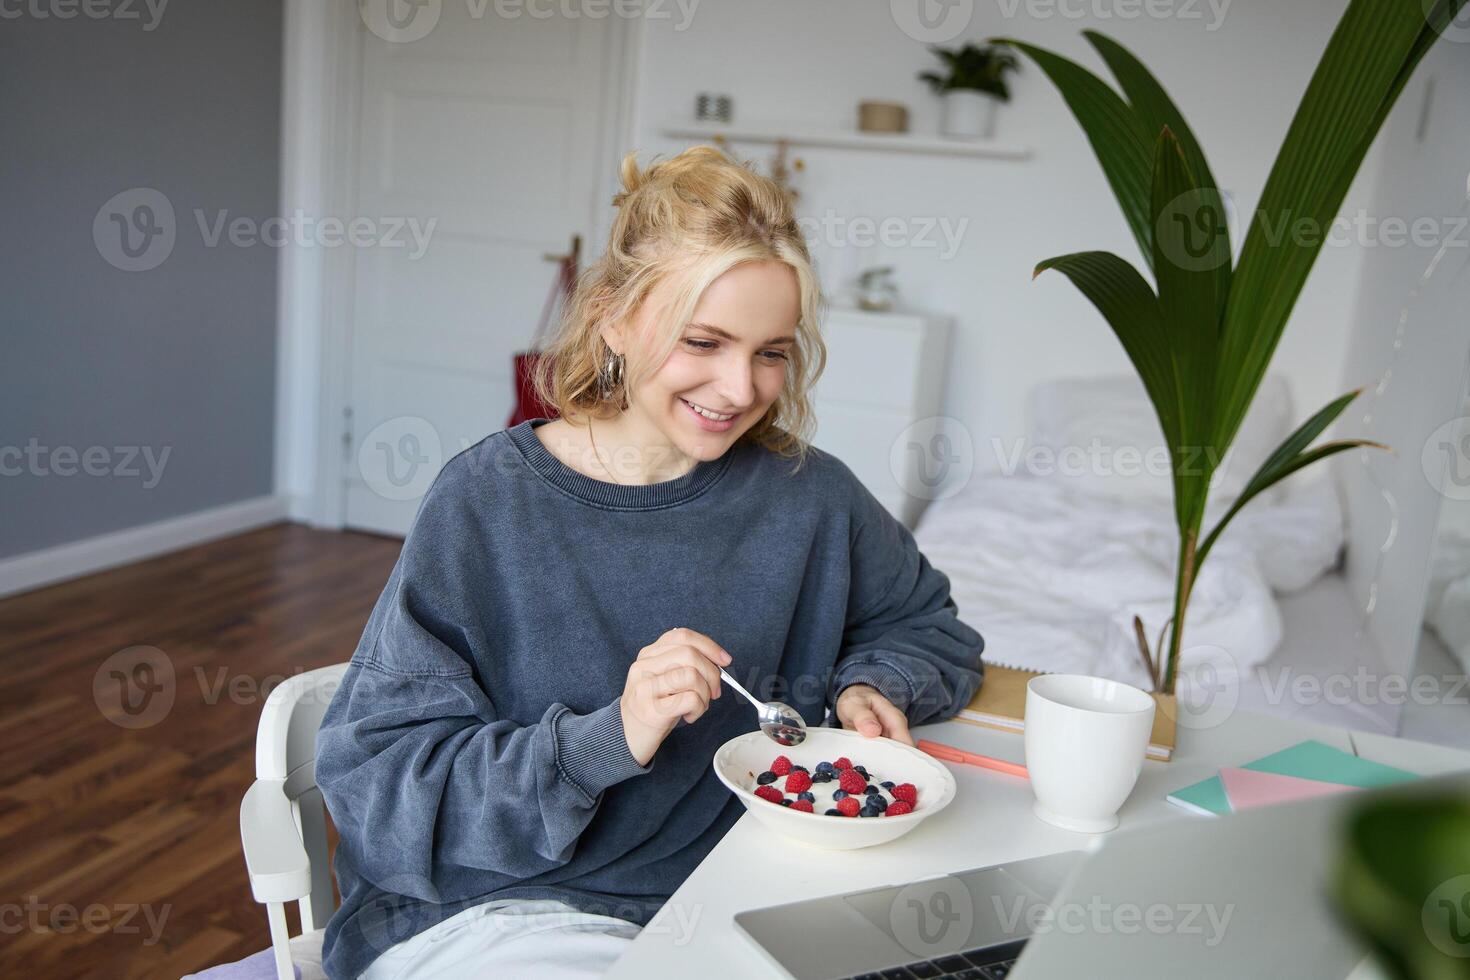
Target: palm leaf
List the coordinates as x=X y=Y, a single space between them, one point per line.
x=1368 y=60
x=1157 y=112
x=1188 y=304
x=1130 y=307
x=1124 y=147
x=1289 y=457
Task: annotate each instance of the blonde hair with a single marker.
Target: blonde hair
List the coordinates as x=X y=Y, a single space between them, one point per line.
x=690 y=219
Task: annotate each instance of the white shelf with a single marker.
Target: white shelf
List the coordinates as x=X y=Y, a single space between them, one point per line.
x=846 y=139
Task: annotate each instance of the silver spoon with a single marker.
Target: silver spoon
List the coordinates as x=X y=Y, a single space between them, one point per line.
x=779 y=721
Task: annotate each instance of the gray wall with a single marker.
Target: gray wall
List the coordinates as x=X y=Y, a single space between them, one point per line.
x=179 y=358
x=1426 y=158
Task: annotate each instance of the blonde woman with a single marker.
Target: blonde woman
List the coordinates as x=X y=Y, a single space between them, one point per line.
x=518 y=761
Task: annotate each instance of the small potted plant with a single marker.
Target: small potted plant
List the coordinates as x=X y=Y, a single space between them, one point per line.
x=973 y=85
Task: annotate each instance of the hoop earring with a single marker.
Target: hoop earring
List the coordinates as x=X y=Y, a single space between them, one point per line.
x=610 y=377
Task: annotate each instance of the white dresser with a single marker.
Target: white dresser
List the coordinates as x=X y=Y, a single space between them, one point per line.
x=885 y=371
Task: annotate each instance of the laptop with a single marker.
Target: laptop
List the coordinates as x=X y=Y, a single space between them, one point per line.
x=972 y=924
x=1236 y=896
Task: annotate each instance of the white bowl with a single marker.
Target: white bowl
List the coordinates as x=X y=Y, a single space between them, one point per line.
x=741 y=759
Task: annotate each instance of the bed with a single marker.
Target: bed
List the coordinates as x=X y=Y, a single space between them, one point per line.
x=1447 y=610
x=1052 y=562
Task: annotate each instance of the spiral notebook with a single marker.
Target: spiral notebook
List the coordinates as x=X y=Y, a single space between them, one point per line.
x=1001 y=704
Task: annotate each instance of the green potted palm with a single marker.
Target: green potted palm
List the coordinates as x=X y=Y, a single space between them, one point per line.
x=1401 y=881
x=972 y=85
x=1201 y=334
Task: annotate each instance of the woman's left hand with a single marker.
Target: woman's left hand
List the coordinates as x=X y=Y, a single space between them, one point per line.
x=861 y=708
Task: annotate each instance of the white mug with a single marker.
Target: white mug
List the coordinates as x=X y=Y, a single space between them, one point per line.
x=1086 y=738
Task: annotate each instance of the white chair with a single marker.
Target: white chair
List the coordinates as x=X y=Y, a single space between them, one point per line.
x=283 y=822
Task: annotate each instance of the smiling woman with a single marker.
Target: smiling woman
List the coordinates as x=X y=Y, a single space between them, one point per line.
x=696 y=328
x=518 y=758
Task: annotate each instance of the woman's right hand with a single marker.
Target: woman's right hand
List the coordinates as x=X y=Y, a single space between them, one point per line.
x=674 y=677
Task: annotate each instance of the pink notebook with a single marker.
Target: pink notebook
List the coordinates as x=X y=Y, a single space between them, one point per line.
x=1247 y=788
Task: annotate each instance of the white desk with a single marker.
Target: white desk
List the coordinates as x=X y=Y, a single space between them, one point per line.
x=990 y=821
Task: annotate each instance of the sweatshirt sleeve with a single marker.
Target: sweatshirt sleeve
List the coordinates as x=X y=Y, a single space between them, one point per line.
x=903 y=635
x=418 y=770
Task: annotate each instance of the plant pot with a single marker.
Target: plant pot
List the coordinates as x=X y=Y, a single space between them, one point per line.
x=968 y=114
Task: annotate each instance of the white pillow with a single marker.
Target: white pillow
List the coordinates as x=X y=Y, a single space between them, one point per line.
x=1101 y=435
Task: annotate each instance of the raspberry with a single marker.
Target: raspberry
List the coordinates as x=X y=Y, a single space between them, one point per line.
x=848 y=807
x=842 y=763
x=906 y=792
x=798 y=782
x=802 y=805
x=897 y=807
x=770 y=793
x=781 y=766
x=852 y=781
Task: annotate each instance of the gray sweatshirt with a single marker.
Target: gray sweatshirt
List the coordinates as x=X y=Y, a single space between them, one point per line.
x=475 y=749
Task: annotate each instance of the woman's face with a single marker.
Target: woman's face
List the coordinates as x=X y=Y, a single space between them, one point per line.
x=729 y=364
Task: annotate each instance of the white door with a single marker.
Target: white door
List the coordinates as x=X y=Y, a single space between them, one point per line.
x=491 y=136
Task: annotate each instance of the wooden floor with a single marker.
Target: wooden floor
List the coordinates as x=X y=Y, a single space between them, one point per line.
x=120 y=846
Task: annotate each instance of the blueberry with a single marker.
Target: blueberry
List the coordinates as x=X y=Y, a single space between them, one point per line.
x=825 y=767
x=880 y=803
x=861 y=770
x=806 y=796
x=821 y=777
x=870 y=790
x=869 y=811
x=839 y=794
x=886 y=784
x=766 y=778
x=785 y=802
x=801 y=769
x=833 y=813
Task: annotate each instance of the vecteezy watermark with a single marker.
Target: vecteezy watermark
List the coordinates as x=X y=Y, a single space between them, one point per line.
x=1456 y=30
x=937 y=916
x=138 y=687
x=89 y=9
x=1446 y=459
x=136 y=230
x=1099 y=916
x=406 y=21
x=1211 y=11
x=1446 y=917
x=836 y=230
x=1102 y=459
x=243 y=689
x=932 y=21
x=308 y=231
x=399 y=458
x=34 y=459
x=1367 y=230
x=1191 y=230
x=134 y=688
x=932 y=458
x=1207 y=686
x=34 y=915
x=384 y=920
x=934 y=917
x=1362 y=687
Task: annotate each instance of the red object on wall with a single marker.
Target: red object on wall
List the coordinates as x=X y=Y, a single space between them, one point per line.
x=528 y=405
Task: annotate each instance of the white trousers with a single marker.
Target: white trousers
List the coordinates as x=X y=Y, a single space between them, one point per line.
x=540 y=938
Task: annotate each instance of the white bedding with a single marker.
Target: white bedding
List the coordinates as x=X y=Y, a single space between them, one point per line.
x=1447 y=609
x=1052 y=574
